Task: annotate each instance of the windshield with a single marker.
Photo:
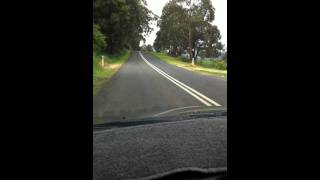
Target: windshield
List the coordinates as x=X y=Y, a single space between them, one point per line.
x=145 y=87
x=158 y=61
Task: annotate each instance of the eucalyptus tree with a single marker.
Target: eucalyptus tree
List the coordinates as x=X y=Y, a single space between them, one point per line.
x=187 y=25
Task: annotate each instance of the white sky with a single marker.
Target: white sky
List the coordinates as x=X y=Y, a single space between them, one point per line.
x=220 y=17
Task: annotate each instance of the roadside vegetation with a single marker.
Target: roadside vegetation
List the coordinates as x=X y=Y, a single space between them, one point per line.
x=102 y=72
x=187 y=35
x=118 y=26
x=112 y=64
x=208 y=67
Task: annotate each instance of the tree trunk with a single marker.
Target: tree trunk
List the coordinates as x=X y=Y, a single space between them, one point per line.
x=190 y=47
x=192 y=63
x=196 y=53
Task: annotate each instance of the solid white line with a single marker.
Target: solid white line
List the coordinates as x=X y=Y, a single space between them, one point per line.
x=176 y=82
x=191 y=89
x=192 y=94
x=174 y=110
x=182 y=85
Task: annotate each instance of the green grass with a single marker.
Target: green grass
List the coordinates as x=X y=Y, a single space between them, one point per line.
x=216 y=68
x=112 y=64
x=213 y=64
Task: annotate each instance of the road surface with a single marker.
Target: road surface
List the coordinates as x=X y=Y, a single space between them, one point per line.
x=146 y=86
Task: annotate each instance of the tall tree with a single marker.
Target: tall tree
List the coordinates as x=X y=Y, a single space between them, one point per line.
x=173 y=30
x=123 y=21
x=186 y=25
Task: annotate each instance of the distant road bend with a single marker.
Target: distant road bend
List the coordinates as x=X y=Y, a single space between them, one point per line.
x=145 y=86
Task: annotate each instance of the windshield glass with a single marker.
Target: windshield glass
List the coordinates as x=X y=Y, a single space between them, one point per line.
x=153 y=57
x=145 y=86
x=159 y=64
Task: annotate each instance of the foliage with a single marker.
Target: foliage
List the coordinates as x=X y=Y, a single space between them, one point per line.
x=225 y=57
x=216 y=64
x=123 y=21
x=99 y=40
x=112 y=64
x=208 y=67
x=148 y=48
x=186 y=25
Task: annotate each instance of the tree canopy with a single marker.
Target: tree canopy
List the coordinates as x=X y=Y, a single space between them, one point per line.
x=186 y=25
x=99 y=40
x=123 y=22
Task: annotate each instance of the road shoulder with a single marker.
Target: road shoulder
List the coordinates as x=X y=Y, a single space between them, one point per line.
x=198 y=69
x=112 y=64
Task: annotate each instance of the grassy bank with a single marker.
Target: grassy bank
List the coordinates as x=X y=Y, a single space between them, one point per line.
x=216 y=68
x=112 y=63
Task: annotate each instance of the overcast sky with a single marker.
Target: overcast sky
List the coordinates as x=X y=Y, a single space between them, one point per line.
x=220 y=17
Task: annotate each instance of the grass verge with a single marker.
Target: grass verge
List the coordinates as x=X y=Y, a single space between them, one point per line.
x=203 y=67
x=112 y=64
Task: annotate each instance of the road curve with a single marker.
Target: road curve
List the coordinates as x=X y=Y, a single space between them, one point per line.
x=137 y=90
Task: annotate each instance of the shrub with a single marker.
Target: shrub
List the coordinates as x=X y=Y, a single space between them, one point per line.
x=99 y=40
x=217 y=64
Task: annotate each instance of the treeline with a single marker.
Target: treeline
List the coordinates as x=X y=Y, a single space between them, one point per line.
x=186 y=26
x=120 y=24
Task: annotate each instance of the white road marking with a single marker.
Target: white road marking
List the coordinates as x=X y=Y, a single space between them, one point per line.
x=165 y=112
x=186 y=88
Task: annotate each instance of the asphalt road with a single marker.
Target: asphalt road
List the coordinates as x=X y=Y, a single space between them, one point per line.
x=137 y=90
